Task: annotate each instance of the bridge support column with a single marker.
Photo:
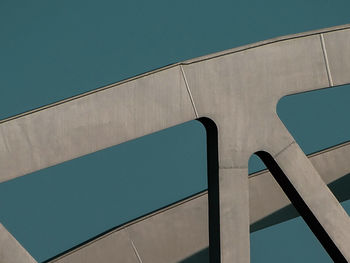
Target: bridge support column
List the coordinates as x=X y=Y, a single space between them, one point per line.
x=312 y=198
x=234 y=215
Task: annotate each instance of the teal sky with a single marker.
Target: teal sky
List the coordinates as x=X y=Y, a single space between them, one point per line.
x=59 y=207
x=51 y=50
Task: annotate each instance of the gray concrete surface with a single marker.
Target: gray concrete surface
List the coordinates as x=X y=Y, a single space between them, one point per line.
x=184 y=225
x=338 y=49
x=181 y=224
x=331 y=164
x=117 y=247
x=238 y=89
x=318 y=197
x=190 y=237
x=93 y=122
x=11 y=250
x=169 y=235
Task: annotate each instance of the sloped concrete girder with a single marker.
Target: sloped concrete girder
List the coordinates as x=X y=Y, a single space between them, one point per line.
x=238 y=89
x=184 y=225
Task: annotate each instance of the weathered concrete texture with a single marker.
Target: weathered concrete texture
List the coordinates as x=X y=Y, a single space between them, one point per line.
x=234 y=214
x=337 y=45
x=331 y=164
x=174 y=234
x=11 y=250
x=170 y=235
x=90 y=123
x=317 y=196
x=116 y=247
x=238 y=90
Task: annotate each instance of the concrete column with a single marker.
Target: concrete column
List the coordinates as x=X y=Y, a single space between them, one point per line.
x=312 y=198
x=234 y=215
x=238 y=89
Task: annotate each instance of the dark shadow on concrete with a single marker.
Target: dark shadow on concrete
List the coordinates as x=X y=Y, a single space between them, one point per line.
x=282 y=215
x=213 y=200
x=340 y=189
x=201 y=256
x=213 y=188
x=301 y=207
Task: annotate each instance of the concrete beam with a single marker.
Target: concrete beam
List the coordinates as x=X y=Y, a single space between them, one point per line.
x=169 y=235
x=312 y=199
x=337 y=46
x=93 y=122
x=332 y=164
x=117 y=246
x=238 y=89
x=185 y=225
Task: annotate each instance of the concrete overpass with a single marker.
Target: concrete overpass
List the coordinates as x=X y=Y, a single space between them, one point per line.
x=238 y=89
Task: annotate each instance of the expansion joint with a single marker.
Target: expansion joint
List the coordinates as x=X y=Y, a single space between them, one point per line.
x=189 y=91
x=134 y=248
x=324 y=50
x=285 y=148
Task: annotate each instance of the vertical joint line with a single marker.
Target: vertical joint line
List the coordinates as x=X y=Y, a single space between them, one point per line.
x=134 y=248
x=326 y=60
x=136 y=252
x=189 y=91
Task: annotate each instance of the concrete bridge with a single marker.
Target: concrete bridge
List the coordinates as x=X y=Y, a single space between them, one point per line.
x=237 y=91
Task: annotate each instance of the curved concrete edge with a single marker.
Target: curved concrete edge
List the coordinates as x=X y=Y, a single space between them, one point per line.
x=169 y=235
x=266 y=42
x=331 y=164
x=94 y=115
x=239 y=91
x=185 y=227
x=11 y=250
x=186 y=62
x=91 y=123
x=312 y=198
x=334 y=29
x=117 y=247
